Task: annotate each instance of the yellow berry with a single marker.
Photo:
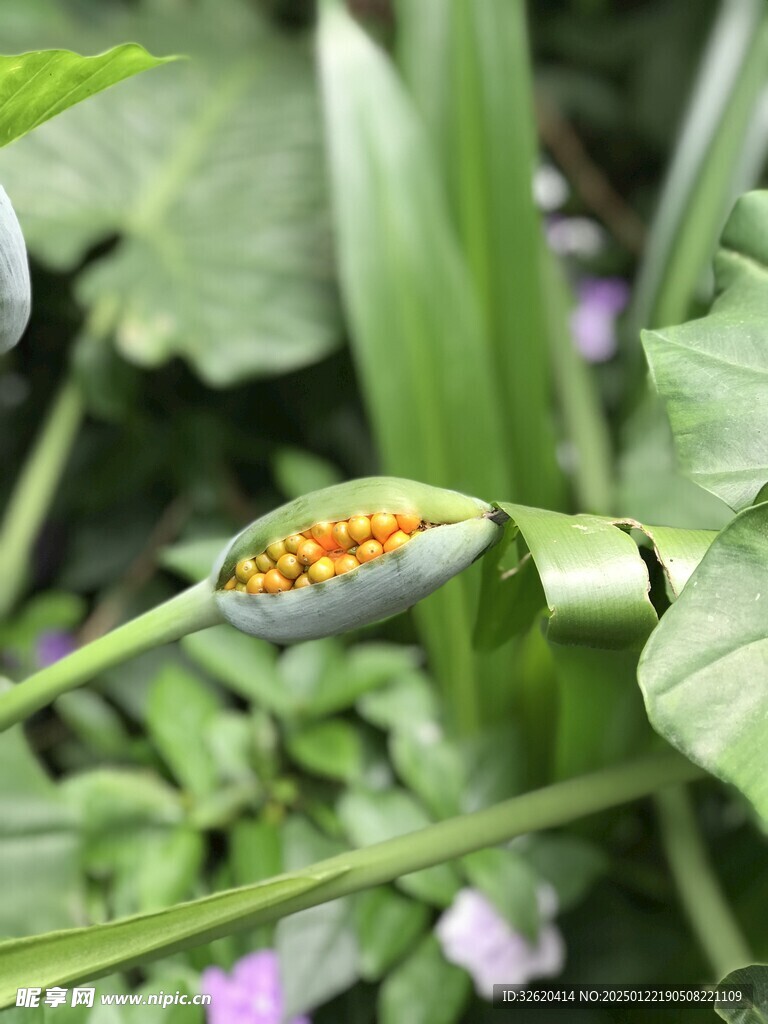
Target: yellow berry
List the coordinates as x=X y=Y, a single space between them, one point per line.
x=341 y=536
x=369 y=550
x=240 y=586
x=309 y=552
x=398 y=538
x=276 y=583
x=289 y=566
x=408 y=523
x=263 y=562
x=382 y=526
x=321 y=570
x=344 y=563
x=244 y=569
x=276 y=550
x=359 y=528
x=292 y=542
x=323 y=534
x=255 y=584
x=302 y=581
x=230 y=584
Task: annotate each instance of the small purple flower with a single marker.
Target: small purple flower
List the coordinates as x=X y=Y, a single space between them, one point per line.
x=251 y=994
x=474 y=935
x=593 y=322
x=53 y=645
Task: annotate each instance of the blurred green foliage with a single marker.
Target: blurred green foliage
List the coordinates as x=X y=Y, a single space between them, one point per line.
x=259 y=290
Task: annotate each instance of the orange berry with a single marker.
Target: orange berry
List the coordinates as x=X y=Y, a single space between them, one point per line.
x=396 y=540
x=321 y=570
x=289 y=566
x=302 y=581
x=341 y=536
x=292 y=542
x=408 y=523
x=244 y=569
x=307 y=534
x=263 y=562
x=255 y=584
x=230 y=584
x=276 y=550
x=276 y=583
x=382 y=525
x=323 y=534
x=344 y=563
x=359 y=528
x=369 y=550
x=309 y=552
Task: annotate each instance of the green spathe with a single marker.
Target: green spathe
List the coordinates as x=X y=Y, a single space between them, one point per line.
x=380 y=588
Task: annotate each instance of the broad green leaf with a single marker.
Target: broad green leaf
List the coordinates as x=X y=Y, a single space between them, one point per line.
x=468 y=67
x=429 y=764
x=387 y=925
x=298 y=472
x=108 y=800
x=426 y=989
x=679 y=551
x=417 y=330
x=406 y=699
x=244 y=664
x=370 y=817
x=178 y=712
x=702 y=670
x=213 y=183
x=80 y=954
x=39 y=85
x=318 y=955
x=333 y=749
x=756 y=977
x=255 y=851
x=711 y=372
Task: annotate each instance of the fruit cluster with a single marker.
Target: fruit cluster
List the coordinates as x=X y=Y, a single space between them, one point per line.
x=322 y=552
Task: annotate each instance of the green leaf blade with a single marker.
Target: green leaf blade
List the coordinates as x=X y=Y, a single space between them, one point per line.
x=38 y=85
x=712 y=372
x=703 y=670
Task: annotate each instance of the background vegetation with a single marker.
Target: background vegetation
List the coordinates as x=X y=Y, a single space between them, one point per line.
x=302 y=256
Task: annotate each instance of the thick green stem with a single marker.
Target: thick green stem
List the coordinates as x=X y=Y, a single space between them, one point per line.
x=82 y=954
x=188 y=612
x=702 y=898
x=34 y=490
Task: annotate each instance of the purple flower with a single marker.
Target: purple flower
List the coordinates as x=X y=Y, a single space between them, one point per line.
x=251 y=994
x=52 y=645
x=474 y=935
x=593 y=322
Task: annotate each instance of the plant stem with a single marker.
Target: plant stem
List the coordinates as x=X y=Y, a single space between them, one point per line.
x=81 y=954
x=702 y=898
x=34 y=490
x=189 y=611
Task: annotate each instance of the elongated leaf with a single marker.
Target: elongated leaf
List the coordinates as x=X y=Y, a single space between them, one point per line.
x=587 y=571
x=36 y=86
x=213 y=183
x=712 y=372
x=703 y=671
x=700 y=182
x=467 y=66
x=71 y=956
x=417 y=330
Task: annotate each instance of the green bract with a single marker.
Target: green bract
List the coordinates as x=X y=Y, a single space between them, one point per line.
x=383 y=587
